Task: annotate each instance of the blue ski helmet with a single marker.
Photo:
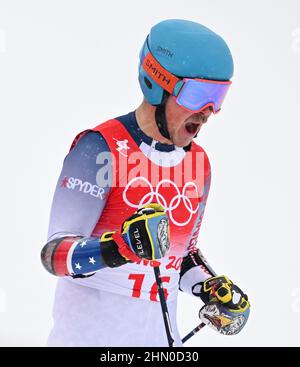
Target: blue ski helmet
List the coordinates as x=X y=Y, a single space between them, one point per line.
x=186 y=49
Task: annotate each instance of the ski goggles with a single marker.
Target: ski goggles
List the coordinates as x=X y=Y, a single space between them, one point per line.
x=192 y=94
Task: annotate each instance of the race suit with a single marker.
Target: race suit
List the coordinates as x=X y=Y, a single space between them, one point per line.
x=111 y=171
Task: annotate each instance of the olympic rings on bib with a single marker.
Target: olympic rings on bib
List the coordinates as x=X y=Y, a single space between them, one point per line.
x=155 y=195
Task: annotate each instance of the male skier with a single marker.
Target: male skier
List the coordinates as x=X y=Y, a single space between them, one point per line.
x=131 y=196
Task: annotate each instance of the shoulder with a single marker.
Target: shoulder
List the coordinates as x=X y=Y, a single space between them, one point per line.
x=198 y=149
x=89 y=140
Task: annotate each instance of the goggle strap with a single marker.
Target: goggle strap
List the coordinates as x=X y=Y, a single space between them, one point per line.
x=159 y=74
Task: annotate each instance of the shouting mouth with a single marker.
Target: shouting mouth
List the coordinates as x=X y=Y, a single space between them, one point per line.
x=192 y=127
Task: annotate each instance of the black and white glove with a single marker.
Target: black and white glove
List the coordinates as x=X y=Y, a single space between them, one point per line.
x=143 y=235
x=226 y=307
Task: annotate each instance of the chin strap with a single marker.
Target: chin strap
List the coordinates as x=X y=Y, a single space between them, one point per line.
x=160 y=116
x=161 y=120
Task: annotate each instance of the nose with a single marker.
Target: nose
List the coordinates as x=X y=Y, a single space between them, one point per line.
x=206 y=112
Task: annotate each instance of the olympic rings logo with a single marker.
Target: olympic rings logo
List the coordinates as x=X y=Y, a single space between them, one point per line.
x=160 y=199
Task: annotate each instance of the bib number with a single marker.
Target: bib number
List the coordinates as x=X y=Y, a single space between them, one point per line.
x=138 y=280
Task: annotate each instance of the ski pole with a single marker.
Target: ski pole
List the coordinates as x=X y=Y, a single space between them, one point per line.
x=200 y=326
x=164 y=307
x=193 y=332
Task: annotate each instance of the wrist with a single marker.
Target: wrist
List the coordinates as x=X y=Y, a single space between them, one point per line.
x=110 y=251
x=123 y=248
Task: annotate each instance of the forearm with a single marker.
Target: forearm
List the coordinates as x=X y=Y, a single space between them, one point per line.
x=72 y=256
x=77 y=255
x=81 y=256
x=194 y=271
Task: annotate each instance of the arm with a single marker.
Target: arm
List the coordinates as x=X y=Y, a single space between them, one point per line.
x=194 y=269
x=226 y=307
x=78 y=202
x=194 y=272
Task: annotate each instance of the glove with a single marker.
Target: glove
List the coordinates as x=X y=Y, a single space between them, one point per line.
x=143 y=235
x=221 y=290
x=226 y=306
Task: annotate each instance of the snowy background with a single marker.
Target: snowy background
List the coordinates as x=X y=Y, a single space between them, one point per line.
x=67 y=65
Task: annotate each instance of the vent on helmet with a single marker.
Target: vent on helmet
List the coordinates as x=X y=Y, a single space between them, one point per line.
x=148 y=83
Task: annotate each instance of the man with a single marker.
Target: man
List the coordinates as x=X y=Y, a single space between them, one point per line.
x=131 y=196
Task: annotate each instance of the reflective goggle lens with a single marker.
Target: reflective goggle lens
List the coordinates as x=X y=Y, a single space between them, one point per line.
x=197 y=94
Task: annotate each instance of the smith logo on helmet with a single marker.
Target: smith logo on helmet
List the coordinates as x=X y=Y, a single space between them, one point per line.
x=157 y=73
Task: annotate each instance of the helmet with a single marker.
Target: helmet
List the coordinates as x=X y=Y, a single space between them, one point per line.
x=185 y=49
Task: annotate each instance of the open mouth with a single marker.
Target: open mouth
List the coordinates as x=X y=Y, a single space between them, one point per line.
x=192 y=127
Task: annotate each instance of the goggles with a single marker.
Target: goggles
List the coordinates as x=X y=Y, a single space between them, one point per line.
x=192 y=94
